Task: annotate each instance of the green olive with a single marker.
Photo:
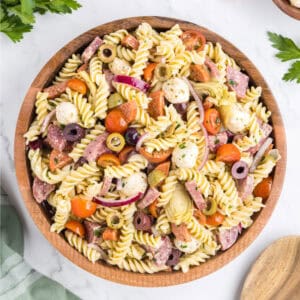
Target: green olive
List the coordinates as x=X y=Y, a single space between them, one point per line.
x=115 y=220
x=107 y=53
x=156 y=177
x=115 y=142
x=211 y=208
x=114 y=100
x=163 y=72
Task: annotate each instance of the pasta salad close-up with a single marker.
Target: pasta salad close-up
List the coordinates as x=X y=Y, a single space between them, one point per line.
x=151 y=151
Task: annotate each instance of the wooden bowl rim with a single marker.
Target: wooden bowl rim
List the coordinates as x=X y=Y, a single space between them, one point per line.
x=288 y=9
x=113 y=273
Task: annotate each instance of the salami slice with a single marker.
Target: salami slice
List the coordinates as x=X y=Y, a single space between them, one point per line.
x=92 y=231
x=162 y=254
x=55 y=138
x=41 y=190
x=228 y=237
x=97 y=147
x=237 y=81
x=90 y=50
x=196 y=195
x=151 y=195
x=56 y=89
x=214 y=72
x=215 y=141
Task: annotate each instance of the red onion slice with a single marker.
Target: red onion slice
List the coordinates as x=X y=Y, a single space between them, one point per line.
x=196 y=98
x=115 y=203
x=134 y=82
x=206 y=150
x=260 y=153
x=47 y=120
x=141 y=141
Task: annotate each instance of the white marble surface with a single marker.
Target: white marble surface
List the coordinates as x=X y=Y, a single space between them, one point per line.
x=244 y=23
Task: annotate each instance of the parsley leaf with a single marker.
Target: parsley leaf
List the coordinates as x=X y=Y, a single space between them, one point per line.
x=288 y=50
x=293 y=72
x=17 y=16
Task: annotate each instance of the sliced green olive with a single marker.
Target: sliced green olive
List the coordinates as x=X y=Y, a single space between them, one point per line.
x=107 y=53
x=156 y=177
x=114 y=100
x=115 y=142
x=115 y=220
x=163 y=72
x=211 y=207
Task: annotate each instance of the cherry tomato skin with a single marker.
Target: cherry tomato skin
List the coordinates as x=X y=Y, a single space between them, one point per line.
x=115 y=122
x=193 y=40
x=82 y=208
x=228 y=153
x=76 y=227
x=215 y=220
x=212 y=121
x=77 y=85
x=263 y=189
x=108 y=159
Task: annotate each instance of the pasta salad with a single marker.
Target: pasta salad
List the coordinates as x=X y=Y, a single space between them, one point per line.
x=150 y=151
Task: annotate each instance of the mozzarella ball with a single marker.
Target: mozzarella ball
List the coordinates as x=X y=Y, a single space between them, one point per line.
x=66 y=113
x=234 y=117
x=119 y=67
x=134 y=184
x=185 y=155
x=187 y=247
x=176 y=90
x=295 y=3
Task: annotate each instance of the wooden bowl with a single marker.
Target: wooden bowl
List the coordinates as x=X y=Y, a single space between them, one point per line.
x=45 y=77
x=287 y=8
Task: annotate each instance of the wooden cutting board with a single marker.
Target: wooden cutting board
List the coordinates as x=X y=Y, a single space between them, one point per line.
x=276 y=273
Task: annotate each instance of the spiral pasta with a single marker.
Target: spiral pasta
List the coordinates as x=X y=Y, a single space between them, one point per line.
x=69 y=69
x=42 y=171
x=167 y=190
x=115 y=37
x=194 y=259
x=129 y=93
x=82 y=246
x=83 y=107
x=125 y=53
x=41 y=105
x=95 y=67
x=140 y=266
x=77 y=176
x=100 y=99
x=33 y=132
x=141 y=58
x=135 y=163
x=78 y=150
x=146 y=239
x=202 y=183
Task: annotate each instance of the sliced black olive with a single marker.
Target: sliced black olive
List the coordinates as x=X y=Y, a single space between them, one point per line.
x=73 y=132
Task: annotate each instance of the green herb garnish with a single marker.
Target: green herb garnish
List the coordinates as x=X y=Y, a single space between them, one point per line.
x=17 y=16
x=182 y=146
x=97 y=232
x=288 y=50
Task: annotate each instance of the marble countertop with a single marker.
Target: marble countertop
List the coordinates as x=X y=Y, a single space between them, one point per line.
x=244 y=23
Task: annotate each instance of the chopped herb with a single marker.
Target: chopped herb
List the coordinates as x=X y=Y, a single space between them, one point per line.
x=56 y=160
x=123 y=184
x=183 y=246
x=177 y=126
x=232 y=82
x=217 y=141
x=183 y=156
x=97 y=232
x=182 y=146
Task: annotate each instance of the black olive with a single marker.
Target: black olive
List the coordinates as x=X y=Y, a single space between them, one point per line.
x=173 y=258
x=48 y=209
x=73 y=132
x=80 y=162
x=142 y=221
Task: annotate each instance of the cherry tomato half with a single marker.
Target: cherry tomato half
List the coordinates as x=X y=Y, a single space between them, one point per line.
x=115 y=122
x=193 y=40
x=82 y=208
x=76 y=227
x=215 y=219
x=212 y=121
x=263 y=189
x=108 y=159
